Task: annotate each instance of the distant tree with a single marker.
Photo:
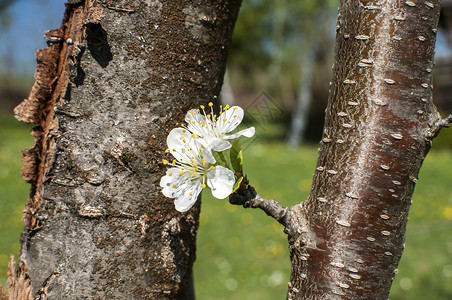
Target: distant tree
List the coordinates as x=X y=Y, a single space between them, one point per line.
x=4 y=17
x=4 y=4
x=446 y=18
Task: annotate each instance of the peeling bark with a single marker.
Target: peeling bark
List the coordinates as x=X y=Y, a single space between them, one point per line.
x=19 y=285
x=115 y=78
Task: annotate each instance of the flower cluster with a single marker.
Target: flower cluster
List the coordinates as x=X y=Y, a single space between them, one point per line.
x=199 y=156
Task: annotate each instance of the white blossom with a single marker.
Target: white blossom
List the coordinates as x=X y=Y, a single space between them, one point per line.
x=214 y=129
x=192 y=170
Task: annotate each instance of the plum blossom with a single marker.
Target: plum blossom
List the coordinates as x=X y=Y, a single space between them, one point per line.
x=213 y=130
x=192 y=170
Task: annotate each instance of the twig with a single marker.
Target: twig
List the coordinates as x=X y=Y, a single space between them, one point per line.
x=434 y=131
x=248 y=197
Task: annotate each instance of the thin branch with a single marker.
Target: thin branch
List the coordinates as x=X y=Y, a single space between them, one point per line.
x=437 y=126
x=248 y=197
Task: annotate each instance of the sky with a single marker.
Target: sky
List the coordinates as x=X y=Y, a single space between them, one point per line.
x=30 y=18
x=20 y=40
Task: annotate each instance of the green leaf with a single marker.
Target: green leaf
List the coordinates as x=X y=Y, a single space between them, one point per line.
x=237 y=184
x=218 y=159
x=216 y=156
x=236 y=156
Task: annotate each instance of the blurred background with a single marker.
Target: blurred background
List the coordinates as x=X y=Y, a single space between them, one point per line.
x=278 y=70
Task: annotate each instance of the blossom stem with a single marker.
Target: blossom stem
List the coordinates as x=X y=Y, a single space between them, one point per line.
x=248 y=197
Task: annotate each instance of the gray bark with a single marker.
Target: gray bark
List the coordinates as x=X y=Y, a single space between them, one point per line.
x=117 y=76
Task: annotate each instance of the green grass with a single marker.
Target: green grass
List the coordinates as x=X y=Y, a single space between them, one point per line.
x=14 y=137
x=242 y=253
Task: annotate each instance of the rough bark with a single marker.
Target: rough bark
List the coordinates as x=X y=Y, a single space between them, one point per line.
x=116 y=77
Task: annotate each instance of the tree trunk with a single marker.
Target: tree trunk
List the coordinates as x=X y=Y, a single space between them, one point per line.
x=319 y=27
x=347 y=238
x=299 y=120
x=116 y=77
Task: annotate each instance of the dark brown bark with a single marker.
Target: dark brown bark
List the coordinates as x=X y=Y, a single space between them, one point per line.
x=377 y=133
x=116 y=77
x=347 y=238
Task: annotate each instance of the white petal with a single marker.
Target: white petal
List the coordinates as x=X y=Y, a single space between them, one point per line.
x=217 y=144
x=177 y=139
x=221 y=181
x=193 y=115
x=172 y=178
x=189 y=196
x=194 y=118
x=207 y=155
x=249 y=132
x=169 y=177
x=233 y=117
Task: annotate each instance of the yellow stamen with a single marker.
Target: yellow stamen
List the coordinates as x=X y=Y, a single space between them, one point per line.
x=202 y=106
x=180 y=173
x=174 y=186
x=174 y=162
x=212 y=168
x=193 y=135
x=191 y=194
x=203 y=160
x=203 y=186
x=165 y=161
x=184 y=131
x=210 y=104
x=170 y=173
x=226 y=107
x=167 y=150
x=224 y=120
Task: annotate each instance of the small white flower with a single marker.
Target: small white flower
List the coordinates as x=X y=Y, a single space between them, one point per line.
x=191 y=170
x=214 y=129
